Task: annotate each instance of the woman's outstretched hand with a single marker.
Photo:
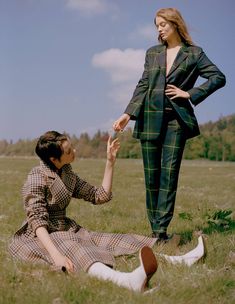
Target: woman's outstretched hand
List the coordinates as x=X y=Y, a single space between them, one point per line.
x=121 y=122
x=173 y=92
x=112 y=149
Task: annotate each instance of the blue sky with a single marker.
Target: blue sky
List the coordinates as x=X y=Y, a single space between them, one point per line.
x=72 y=65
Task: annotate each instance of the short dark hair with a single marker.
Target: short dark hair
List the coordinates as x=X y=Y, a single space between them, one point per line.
x=50 y=145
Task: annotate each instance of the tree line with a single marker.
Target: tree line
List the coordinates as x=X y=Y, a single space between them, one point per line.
x=216 y=142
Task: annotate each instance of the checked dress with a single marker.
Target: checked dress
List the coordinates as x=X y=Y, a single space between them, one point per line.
x=46 y=196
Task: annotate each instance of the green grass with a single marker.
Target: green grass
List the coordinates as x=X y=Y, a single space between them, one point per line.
x=204 y=188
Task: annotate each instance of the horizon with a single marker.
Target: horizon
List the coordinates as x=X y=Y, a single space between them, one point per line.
x=11 y=141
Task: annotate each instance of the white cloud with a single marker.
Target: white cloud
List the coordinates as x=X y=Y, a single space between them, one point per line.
x=122 y=66
x=90 y=7
x=125 y=68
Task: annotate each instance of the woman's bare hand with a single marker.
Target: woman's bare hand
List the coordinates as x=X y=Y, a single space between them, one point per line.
x=173 y=92
x=121 y=122
x=62 y=261
x=112 y=149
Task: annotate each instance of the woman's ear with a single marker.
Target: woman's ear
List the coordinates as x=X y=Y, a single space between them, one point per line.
x=56 y=162
x=53 y=160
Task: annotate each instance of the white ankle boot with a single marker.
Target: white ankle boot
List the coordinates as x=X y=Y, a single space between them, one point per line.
x=136 y=280
x=189 y=258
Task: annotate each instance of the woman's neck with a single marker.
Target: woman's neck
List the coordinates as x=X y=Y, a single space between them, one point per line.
x=174 y=42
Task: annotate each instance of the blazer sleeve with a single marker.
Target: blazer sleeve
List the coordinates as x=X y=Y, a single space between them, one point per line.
x=134 y=106
x=34 y=195
x=95 y=195
x=215 y=80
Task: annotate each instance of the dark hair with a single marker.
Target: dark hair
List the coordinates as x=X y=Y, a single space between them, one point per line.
x=174 y=16
x=50 y=145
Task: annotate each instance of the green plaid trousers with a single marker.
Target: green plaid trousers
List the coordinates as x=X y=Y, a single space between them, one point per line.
x=162 y=159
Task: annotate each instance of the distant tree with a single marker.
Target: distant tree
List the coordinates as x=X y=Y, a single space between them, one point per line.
x=130 y=147
x=222 y=124
x=216 y=142
x=3 y=146
x=195 y=148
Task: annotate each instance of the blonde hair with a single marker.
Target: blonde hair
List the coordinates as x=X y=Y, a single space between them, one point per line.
x=173 y=15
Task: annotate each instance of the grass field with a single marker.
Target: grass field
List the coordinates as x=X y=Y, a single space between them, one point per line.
x=204 y=188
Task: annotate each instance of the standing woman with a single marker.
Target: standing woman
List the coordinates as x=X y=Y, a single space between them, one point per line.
x=162 y=107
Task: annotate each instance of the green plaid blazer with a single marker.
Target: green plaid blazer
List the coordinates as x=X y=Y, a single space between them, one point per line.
x=147 y=103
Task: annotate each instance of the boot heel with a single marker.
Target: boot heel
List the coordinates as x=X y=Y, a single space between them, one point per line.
x=149 y=263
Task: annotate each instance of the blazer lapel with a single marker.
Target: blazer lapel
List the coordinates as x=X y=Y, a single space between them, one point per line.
x=68 y=178
x=49 y=173
x=161 y=59
x=64 y=184
x=180 y=57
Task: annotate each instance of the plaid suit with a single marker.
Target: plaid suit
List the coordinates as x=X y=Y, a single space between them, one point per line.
x=163 y=132
x=46 y=197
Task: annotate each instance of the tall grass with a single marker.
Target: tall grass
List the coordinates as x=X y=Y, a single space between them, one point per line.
x=204 y=188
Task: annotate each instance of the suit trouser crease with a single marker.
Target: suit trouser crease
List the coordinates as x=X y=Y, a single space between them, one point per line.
x=162 y=159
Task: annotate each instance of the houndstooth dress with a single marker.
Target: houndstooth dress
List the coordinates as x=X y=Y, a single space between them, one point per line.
x=46 y=196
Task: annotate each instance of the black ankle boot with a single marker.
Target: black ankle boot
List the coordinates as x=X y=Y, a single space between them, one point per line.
x=161 y=237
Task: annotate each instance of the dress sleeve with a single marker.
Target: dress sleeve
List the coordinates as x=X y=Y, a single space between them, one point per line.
x=34 y=195
x=95 y=195
x=215 y=79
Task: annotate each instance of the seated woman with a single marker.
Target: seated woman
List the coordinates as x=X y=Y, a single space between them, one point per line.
x=48 y=235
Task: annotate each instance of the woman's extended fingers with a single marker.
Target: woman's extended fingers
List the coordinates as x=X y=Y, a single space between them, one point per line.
x=69 y=265
x=120 y=123
x=116 y=126
x=173 y=92
x=109 y=141
x=112 y=148
x=113 y=143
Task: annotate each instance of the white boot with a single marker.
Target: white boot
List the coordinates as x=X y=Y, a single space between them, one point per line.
x=136 y=280
x=189 y=258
